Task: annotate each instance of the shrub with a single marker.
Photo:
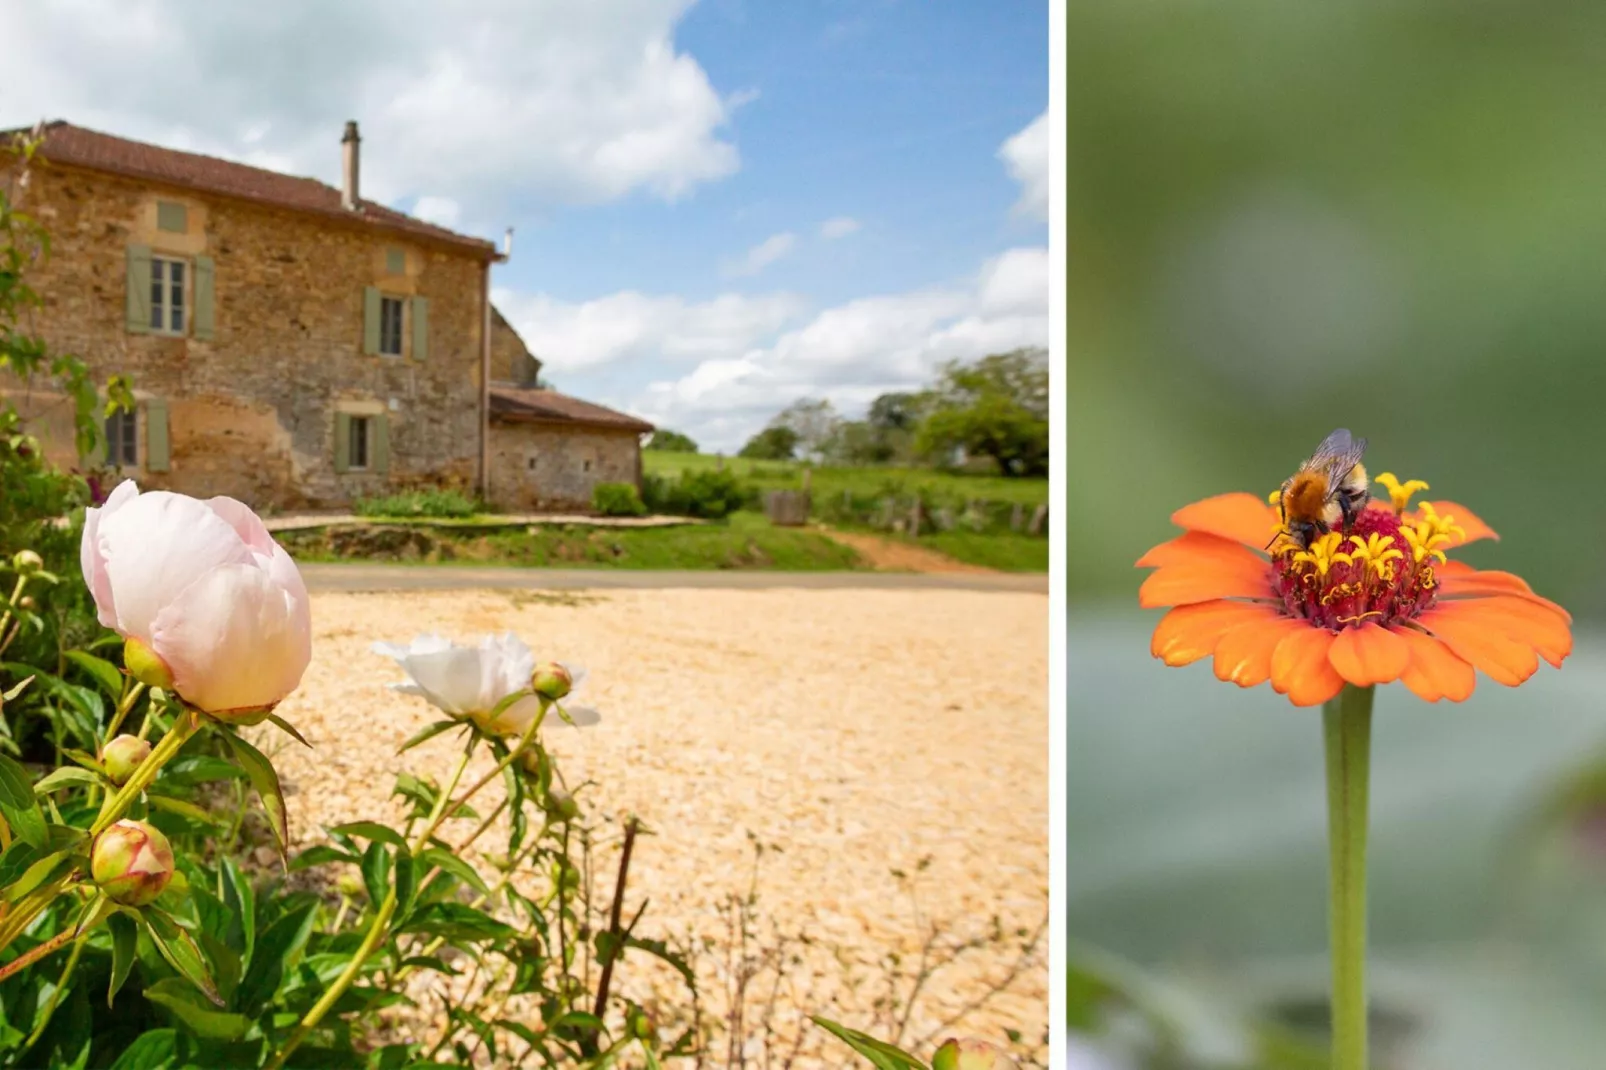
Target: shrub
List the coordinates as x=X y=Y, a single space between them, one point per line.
x=437 y=504
x=710 y=495
x=617 y=499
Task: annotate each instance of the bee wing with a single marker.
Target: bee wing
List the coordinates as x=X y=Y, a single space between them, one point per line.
x=1337 y=454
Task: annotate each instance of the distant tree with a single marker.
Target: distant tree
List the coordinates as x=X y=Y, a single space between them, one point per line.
x=813 y=421
x=667 y=441
x=894 y=412
x=996 y=407
x=774 y=443
x=857 y=442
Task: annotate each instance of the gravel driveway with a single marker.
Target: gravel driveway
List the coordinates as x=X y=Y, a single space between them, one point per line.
x=863 y=732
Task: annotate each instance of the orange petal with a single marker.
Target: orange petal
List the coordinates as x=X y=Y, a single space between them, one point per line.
x=1300 y=667
x=1460 y=580
x=1435 y=672
x=1523 y=621
x=1195 y=547
x=1490 y=650
x=1368 y=655
x=1238 y=516
x=1243 y=656
x=1244 y=576
x=1188 y=633
x=1466 y=520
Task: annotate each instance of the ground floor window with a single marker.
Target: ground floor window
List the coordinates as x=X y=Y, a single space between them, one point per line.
x=357 y=444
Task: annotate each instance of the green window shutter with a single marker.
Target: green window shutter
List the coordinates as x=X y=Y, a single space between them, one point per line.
x=370 y=320
x=203 y=298
x=139 y=289
x=395 y=262
x=379 y=459
x=342 y=441
x=156 y=451
x=420 y=328
x=172 y=217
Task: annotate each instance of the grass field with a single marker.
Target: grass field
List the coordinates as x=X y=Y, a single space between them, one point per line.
x=745 y=541
x=1005 y=552
x=863 y=482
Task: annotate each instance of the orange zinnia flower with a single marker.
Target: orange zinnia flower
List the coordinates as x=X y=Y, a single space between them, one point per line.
x=1378 y=603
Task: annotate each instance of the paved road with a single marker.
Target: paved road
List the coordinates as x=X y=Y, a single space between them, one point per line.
x=452 y=577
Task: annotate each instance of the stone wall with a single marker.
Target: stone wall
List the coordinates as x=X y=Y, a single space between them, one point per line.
x=511 y=361
x=552 y=466
x=252 y=411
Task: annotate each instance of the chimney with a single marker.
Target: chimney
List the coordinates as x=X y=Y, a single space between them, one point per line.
x=349 y=196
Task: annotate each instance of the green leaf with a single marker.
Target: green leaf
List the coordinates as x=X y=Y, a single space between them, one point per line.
x=406 y=869
x=156 y=1049
x=88 y=761
x=202 y=1020
x=290 y=729
x=660 y=950
x=200 y=768
x=105 y=673
x=447 y=862
x=276 y=948
x=60 y=778
x=266 y=781
x=183 y=809
x=18 y=804
x=428 y=732
x=21 y=857
x=430 y=962
x=125 y=940
x=881 y=1054
x=457 y=921
x=376 y=871
x=240 y=900
x=179 y=949
x=321 y=855
x=48 y=868
x=651 y=1057
x=372 y=830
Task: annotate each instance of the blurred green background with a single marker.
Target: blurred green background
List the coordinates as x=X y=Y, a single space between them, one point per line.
x=1285 y=218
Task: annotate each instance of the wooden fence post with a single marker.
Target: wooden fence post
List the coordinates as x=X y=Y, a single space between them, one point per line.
x=1040 y=515
x=914 y=518
x=808 y=479
x=945 y=519
x=1017 y=516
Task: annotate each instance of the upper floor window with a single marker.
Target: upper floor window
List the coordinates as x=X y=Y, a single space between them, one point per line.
x=390 y=326
x=167 y=295
x=121 y=440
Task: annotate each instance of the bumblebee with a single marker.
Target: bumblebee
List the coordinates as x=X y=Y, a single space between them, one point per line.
x=1327 y=491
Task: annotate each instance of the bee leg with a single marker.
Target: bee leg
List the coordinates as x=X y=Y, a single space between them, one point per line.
x=1347 y=508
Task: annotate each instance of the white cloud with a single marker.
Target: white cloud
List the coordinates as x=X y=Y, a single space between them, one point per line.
x=840 y=227
x=479 y=102
x=857 y=350
x=762 y=255
x=442 y=211
x=1026 y=155
x=630 y=326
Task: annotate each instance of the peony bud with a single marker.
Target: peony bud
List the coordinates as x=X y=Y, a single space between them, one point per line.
x=551 y=681
x=132 y=862
x=122 y=756
x=214 y=609
x=27 y=561
x=27 y=602
x=561 y=807
x=971 y=1054
x=640 y=1024
x=350 y=885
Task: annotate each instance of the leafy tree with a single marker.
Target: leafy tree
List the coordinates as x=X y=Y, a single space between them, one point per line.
x=813 y=421
x=894 y=412
x=774 y=443
x=996 y=407
x=667 y=441
x=860 y=442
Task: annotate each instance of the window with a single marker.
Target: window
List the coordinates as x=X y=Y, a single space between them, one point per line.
x=167 y=295
x=395 y=262
x=358 y=443
x=390 y=326
x=121 y=442
x=171 y=216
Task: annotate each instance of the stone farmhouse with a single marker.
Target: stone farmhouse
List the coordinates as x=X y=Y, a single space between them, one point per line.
x=292 y=344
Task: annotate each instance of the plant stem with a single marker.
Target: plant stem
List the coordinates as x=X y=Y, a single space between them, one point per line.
x=1347 y=732
x=34 y=954
x=184 y=726
x=376 y=934
x=127 y=703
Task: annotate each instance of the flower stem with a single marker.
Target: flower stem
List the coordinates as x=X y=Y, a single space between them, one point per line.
x=184 y=726
x=1347 y=732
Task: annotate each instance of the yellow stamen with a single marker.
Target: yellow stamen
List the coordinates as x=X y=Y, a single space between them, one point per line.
x=1360 y=617
x=1323 y=553
x=1341 y=592
x=1440 y=525
x=1400 y=493
x=1377 y=552
x=1424 y=542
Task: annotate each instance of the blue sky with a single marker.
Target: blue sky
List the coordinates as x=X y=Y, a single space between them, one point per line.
x=719 y=206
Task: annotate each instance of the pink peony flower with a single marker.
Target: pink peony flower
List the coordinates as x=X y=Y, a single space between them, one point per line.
x=210 y=605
